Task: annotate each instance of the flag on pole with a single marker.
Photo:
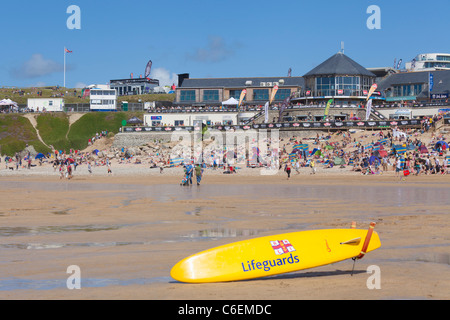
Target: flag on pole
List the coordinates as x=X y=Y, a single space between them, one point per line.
x=148 y=69
x=372 y=90
x=241 y=98
x=327 y=108
x=273 y=93
x=431 y=82
x=368 y=109
x=285 y=104
x=266 y=112
x=65 y=51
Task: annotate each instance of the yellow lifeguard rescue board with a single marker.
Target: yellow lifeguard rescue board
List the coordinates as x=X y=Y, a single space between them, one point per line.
x=271 y=255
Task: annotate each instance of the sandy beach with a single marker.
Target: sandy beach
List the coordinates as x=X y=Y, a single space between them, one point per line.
x=125 y=231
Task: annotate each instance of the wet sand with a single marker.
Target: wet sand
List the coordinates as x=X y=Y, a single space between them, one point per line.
x=126 y=232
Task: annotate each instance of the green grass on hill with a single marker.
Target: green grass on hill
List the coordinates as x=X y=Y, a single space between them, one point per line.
x=53 y=128
x=21 y=95
x=95 y=122
x=15 y=133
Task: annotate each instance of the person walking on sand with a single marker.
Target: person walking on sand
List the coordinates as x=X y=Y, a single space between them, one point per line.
x=398 y=167
x=312 y=164
x=189 y=173
x=198 y=173
x=69 y=171
x=297 y=166
x=287 y=168
x=61 y=171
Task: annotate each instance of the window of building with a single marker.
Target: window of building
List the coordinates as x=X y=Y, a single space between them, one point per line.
x=187 y=95
x=261 y=94
x=407 y=90
x=236 y=94
x=282 y=94
x=443 y=58
x=210 y=95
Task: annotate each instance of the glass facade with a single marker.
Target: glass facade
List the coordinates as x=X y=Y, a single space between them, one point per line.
x=210 y=95
x=342 y=86
x=187 y=96
x=437 y=64
x=407 y=90
x=443 y=58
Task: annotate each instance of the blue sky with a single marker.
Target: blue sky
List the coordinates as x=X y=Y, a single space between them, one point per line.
x=208 y=38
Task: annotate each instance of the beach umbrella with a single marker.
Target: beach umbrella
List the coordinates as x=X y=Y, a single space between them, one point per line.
x=423 y=149
x=39 y=156
x=373 y=158
x=442 y=144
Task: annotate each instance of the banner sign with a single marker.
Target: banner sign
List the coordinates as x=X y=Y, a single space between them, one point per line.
x=289 y=125
x=439 y=96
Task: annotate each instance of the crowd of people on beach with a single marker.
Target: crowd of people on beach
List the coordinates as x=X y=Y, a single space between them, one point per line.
x=413 y=151
x=403 y=153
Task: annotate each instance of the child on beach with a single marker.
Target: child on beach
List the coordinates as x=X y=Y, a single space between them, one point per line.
x=287 y=168
x=198 y=173
x=313 y=166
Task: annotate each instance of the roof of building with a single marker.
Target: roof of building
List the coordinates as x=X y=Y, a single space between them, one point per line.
x=339 y=64
x=441 y=80
x=241 y=82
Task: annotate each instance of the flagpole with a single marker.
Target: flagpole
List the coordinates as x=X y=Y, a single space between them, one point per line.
x=64 y=67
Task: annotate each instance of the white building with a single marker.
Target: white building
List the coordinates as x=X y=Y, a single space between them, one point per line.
x=429 y=62
x=45 y=104
x=103 y=99
x=190 y=119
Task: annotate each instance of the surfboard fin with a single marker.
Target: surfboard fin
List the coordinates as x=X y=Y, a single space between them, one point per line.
x=366 y=241
x=355 y=241
x=365 y=245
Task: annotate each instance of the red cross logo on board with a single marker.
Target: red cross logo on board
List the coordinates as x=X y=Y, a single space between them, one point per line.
x=282 y=246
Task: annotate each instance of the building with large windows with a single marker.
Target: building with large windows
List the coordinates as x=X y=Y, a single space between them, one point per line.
x=339 y=78
x=415 y=86
x=429 y=62
x=135 y=86
x=214 y=91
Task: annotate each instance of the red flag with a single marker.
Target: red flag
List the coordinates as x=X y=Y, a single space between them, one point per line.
x=67 y=51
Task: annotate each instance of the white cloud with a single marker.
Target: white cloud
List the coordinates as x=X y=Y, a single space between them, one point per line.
x=165 y=77
x=80 y=85
x=39 y=84
x=216 y=50
x=36 y=66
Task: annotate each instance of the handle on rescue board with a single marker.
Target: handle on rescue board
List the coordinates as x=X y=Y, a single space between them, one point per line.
x=366 y=241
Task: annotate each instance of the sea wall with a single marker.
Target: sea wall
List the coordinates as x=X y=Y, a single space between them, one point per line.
x=135 y=139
